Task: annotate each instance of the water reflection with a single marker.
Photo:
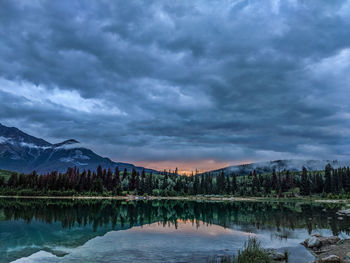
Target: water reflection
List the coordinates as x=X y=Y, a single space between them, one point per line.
x=121 y=214
x=43 y=229
x=157 y=243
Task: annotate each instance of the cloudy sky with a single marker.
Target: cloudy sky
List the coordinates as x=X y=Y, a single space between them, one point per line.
x=193 y=84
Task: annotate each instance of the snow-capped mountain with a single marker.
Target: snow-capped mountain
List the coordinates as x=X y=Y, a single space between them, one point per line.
x=280 y=165
x=22 y=152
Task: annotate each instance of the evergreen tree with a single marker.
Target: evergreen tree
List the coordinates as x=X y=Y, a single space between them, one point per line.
x=149 y=183
x=132 y=181
x=196 y=185
x=109 y=180
x=220 y=182
x=328 y=180
x=143 y=182
x=274 y=183
x=319 y=184
x=234 y=186
x=255 y=184
x=267 y=185
x=228 y=185
x=335 y=182
x=304 y=184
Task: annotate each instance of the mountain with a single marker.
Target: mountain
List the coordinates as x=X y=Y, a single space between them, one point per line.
x=22 y=152
x=280 y=165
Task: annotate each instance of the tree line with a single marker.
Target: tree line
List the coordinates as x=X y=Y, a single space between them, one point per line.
x=108 y=182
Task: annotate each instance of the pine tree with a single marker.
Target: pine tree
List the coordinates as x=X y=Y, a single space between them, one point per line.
x=304 y=184
x=132 y=181
x=346 y=179
x=117 y=187
x=109 y=180
x=289 y=180
x=99 y=171
x=228 y=185
x=335 y=182
x=267 y=185
x=142 y=182
x=220 y=182
x=255 y=184
x=13 y=181
x=328 y=180
x=234 y=184
x=125 y=174
x=196 y=184
x=274 y=183
x=149 y=183
x=319 y=184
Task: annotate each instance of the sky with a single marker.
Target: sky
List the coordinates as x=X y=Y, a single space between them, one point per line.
x=188 y=84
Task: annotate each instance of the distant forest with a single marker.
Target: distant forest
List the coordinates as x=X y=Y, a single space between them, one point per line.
x=328 y=183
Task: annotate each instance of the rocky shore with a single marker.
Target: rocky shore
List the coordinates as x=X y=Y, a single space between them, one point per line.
x=328 y=249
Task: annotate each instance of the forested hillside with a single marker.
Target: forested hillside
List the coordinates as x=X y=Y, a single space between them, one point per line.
x=328 y=182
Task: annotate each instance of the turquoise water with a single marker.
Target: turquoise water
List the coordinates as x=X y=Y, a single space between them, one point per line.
x=155 y=231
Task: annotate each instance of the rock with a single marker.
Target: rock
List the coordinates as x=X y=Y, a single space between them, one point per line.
x=347 y=257
x=316 y=241
x=313 y=242
x=331 y=259
x=345 y=212
x=329 y=240
x=276 y=255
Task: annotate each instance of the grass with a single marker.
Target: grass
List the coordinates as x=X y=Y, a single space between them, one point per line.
x=252 y=252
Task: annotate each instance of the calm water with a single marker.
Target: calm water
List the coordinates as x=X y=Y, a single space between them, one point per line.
x=155 y=231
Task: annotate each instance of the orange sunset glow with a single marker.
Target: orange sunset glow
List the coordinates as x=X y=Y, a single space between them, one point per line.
x=186 y=167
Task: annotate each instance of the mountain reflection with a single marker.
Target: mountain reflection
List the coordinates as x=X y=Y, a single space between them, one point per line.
x=198 y=228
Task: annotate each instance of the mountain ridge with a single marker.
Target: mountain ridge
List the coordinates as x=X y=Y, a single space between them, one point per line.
x=280 y=165
x=21 y=152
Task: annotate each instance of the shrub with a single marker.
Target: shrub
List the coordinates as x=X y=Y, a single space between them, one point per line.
x=253 y=252
x=156 y=192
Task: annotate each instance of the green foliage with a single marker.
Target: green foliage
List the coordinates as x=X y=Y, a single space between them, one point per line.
x=156 y=192
x=5 y=174
x=332 y=183
x=253 y=252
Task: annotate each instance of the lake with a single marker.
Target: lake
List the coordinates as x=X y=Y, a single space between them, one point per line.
x=44 y=230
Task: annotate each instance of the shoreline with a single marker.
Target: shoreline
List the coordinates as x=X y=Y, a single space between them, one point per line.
x=328 y=249
x=185 y=198
x=136 y=198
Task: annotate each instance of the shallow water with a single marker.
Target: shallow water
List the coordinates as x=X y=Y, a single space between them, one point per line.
x=156 y=231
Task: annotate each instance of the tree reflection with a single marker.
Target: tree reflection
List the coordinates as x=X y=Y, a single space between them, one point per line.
x=119 y=214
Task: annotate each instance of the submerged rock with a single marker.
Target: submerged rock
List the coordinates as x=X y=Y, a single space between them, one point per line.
x=347 y=257
x=330 y=259
x=275 y=255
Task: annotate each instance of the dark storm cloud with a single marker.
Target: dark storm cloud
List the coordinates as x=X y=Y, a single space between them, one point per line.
x=180 y=80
